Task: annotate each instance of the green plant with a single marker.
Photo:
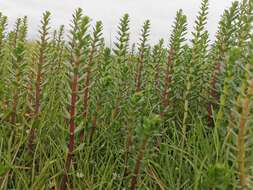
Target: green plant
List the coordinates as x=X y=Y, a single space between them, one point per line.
x=176 y=40
x=195 y=72
x=135 y=115
x=95 y=42
x=78 y=46
x=225 y=39
x=142 y=50
x=149 y=127
x=40 y=70
x=120 y=51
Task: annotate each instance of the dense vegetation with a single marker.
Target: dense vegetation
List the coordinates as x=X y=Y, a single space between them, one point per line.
x=75 y=114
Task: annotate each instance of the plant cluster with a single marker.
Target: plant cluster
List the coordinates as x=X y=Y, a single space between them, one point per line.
x=75 y=114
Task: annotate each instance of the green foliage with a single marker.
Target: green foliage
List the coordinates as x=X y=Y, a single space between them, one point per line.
x=217 y=177
x=142 y=55
x=76 y=114
x=196 y=71
x=173 y=72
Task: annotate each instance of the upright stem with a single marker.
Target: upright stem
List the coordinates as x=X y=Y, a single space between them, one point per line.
x=86 y=88
x=213 y=92
x=94 y=121
x=167 y=80
x=241 y=134
x=116 y=109
x=15 y=96
x=138 y=163
x=74 y=88
x=37 y=91
x=139 y=72
x=129 y=143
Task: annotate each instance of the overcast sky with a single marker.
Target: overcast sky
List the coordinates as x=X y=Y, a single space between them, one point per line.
x=160 y=12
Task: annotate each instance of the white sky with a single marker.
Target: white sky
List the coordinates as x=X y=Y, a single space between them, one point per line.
x=160 y=12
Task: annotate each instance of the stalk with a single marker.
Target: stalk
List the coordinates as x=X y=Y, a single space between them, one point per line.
x=133 y=105
x=43 y=43
x=78 y=46
x=94 y=121
x=94 y=46
x=176 y=40
x=175 y=48
x=157 y=59
x=142 y=50
x=136 y=97
x=223 y=43
x=102 y=84
x=138 y=163
x=15 y=65
x=230 y=60
x=149 y=128
x=18 y=63
x=213 y=92
x=71 y=129
x=167 y=80
x=120 y=51
x=241 y=135
x=195 y=71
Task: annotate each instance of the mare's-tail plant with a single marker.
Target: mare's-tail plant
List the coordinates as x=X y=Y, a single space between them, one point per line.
x=157 y=62
x=18 y=64
x=150 y=124
x=154 y=74
x=244 y=29
x=243 y=145
x=176 y=40
x=3 y=26
x=244 y=36
x=224 y=41
x=135 y=105
x=241 y=114
x=229 y=64
x=12 y=68
x=102 y=85
x=40 y=71
x=137 y=97
x=242 y=151
x=57 y=78
x=141 y=59
x=121 y=63
x=95 y=43
x=195 y=73
x=79 y=43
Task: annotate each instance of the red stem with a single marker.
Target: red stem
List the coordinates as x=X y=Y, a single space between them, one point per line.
x=116 y=109
x=139 y=71
x=241 y=134
x=167 y=80
x=14 y=108
x=157 y=75
x=37 y=92
x=213 y=92
x=86 y=88
x=138 y=163
x=94 y=122
x=128 y=147
x=74 y=87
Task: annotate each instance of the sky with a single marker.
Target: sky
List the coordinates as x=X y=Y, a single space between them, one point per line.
x=160 y=12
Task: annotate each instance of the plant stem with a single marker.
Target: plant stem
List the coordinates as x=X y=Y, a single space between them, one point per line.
x=138 y=163
x=241 y=134
x=86 y=89
x=74 y=88
x=167 y=81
